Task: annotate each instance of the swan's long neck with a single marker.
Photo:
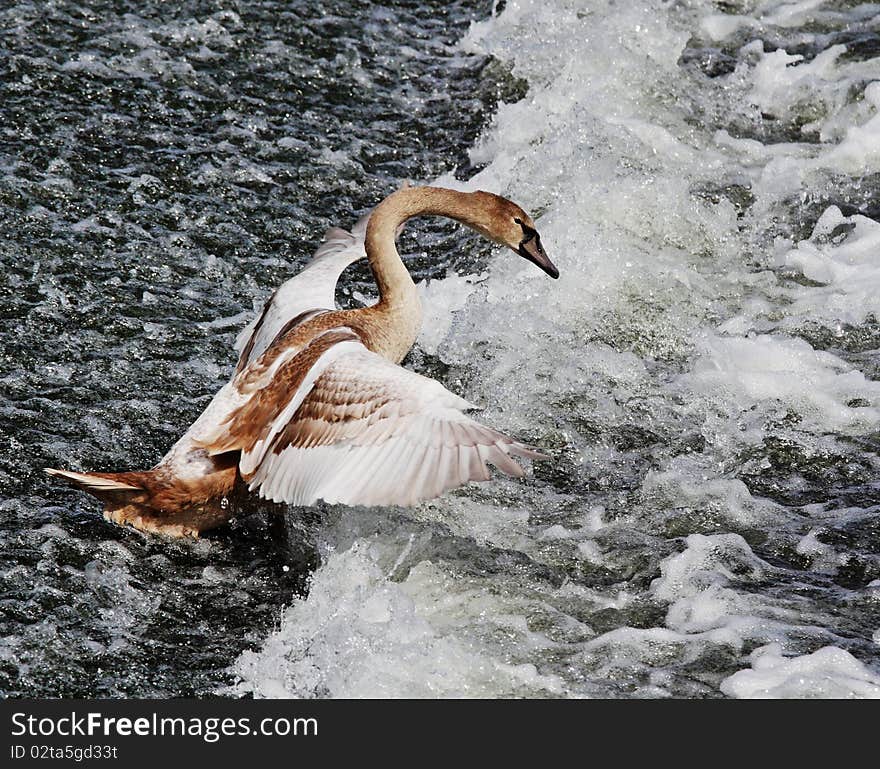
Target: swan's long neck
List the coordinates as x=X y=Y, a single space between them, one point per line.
x=399 y=301
x=392 y=277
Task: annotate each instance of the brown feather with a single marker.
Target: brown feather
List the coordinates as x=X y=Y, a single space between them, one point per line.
x=252 y=422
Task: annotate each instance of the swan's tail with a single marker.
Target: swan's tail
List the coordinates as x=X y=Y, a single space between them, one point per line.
x=152 y=501
x=105 y=486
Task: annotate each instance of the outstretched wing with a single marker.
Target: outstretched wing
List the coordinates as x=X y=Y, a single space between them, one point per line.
x=309 y=292
x=343 y=424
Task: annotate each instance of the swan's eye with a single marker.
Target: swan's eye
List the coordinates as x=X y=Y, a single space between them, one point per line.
x=518 y=221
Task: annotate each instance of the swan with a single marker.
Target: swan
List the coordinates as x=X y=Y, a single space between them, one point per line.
x=318 y=407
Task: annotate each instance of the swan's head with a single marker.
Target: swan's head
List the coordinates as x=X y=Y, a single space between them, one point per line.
x=506 y=223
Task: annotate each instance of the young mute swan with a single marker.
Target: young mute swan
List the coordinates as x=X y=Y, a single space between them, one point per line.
x=318 y=407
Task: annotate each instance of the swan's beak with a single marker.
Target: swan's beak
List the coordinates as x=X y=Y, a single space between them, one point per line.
x=530 y=247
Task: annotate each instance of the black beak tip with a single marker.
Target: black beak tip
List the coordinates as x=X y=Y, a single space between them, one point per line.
x=531 y=249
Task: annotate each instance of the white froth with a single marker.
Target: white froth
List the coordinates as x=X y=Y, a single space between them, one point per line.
x=441 y=299
x=830 y=672
x=843 y=256
x=420 y=637
x=816 y=387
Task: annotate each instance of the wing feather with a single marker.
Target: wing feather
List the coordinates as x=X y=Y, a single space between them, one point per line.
x=312 y=289
x=340 y=423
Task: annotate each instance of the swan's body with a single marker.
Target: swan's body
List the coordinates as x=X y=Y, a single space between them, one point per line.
x=318 y=407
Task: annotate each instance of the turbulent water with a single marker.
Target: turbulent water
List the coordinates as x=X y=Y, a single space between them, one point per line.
x=704 y=374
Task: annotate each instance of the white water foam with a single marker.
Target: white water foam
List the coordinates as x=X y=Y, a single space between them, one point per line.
x=660 y=366
x=829 y=672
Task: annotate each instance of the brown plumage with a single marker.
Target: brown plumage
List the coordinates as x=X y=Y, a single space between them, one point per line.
x=251 y=421
x=318 y=407
x=159 y=502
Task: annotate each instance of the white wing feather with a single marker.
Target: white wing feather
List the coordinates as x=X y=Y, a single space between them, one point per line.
x=361 y=430
x=313 y=288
